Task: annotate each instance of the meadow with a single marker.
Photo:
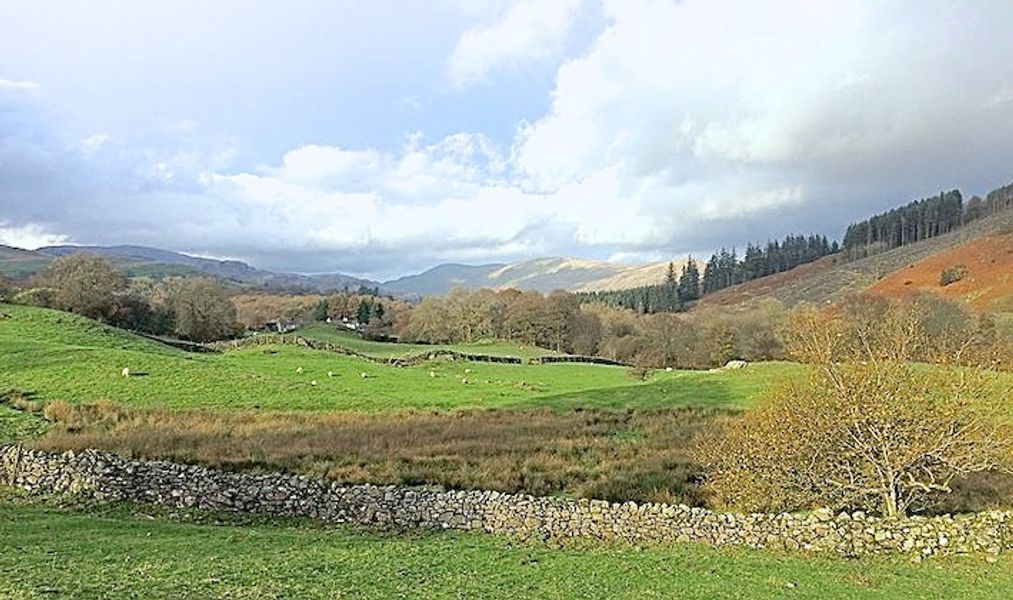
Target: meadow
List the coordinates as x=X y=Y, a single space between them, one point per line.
x=563 y=429
x=58 y=356
x=62 y=548
x=347 y=339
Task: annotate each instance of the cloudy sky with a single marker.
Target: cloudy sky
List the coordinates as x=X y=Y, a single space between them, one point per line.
x=379 y=138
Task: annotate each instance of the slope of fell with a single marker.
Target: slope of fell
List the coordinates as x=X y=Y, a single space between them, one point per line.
x=539 y=274
x=987 y=280
x=832 y=277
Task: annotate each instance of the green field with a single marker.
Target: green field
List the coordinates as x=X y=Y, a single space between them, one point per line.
x=58 y=356
x=347 y=339
x=49 y=550
x=71 y=548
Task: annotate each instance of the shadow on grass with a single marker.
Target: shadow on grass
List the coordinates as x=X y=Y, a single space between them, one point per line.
x=678 y=392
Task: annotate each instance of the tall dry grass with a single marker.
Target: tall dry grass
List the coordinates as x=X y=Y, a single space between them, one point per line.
x=613 y=455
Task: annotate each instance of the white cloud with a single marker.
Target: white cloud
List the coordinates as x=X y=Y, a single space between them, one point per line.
x=529 y=30
x=18 y=86
x=29 y=236
x=722 y=110
x=685 y=126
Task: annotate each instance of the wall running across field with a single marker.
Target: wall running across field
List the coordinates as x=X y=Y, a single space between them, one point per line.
x=111 y=477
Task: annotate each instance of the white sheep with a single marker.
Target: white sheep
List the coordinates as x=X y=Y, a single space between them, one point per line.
x=125 y=372
x=330 y=373
x=668 y=369
x=363 y=375
x=432 y=373
x=466 y=371
x=313 y=383
x=298 y=370
x=464 y=381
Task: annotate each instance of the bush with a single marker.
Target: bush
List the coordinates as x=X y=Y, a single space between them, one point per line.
x=952 y=275
x=870 y=432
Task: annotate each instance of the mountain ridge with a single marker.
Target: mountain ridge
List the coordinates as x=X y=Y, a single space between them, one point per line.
x=543 y=274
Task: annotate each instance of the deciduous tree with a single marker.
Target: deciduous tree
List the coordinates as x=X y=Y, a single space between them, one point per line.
x=84 y=284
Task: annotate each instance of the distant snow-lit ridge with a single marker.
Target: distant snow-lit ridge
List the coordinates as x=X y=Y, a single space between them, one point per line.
x=539 y=274
x=634 y=276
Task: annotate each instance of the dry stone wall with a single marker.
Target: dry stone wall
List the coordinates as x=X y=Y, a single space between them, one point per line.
x=112 y=477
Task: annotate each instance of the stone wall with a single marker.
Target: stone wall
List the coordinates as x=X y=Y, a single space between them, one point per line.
x=409 y=360
x=109 y=476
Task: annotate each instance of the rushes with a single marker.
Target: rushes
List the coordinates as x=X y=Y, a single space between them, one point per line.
x=614 y=455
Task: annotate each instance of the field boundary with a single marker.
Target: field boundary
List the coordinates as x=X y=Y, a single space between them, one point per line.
x=407 y=360
x=109 y=476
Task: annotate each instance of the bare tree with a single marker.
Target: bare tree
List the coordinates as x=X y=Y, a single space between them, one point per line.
x=870 y=431
x=84 y=284
x=203 y=311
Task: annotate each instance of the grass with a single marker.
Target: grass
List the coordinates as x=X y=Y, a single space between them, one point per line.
x=52 y=550
x=18 y=425
x=605 y=454
x=58 y=356
x=347 y=339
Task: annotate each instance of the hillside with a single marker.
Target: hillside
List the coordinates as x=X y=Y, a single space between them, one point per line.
x=987 y=283
x=540 y=274
x=18 y=264
x=833 y=277
x=142 y=261
x=57 y=355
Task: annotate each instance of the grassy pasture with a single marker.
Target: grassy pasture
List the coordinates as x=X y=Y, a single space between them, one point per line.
x=627 y=436
x=58 y=356
x=605 y=454
x=330 y=333
x=52 y=549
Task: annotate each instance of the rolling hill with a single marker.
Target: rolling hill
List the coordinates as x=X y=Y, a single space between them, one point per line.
x=834 y=277
x=540 y=274
x=138 y=261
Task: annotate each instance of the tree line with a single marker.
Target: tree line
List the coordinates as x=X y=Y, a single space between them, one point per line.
x=724 y=269
x=913 y=222
x=921 y=220
x=191 y=308
x=674 y=295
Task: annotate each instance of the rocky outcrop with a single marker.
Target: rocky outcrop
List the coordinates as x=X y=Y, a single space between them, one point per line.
x=109 y=476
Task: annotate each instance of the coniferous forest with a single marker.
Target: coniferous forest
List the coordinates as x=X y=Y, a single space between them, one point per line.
x=725 y=268
x=913 y=222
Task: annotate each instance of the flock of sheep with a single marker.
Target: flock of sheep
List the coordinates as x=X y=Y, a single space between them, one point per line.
x=299 y=370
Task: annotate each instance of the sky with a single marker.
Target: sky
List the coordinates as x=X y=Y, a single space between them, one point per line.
x=382 y=138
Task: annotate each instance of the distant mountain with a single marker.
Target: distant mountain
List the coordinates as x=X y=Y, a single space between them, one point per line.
x=540 y=274
x=18 y=264
x=155 y=262
x=441 y=279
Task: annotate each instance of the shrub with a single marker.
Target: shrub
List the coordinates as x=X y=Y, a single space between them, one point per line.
x=952 y=275
x=871 y=432
x=639 y=373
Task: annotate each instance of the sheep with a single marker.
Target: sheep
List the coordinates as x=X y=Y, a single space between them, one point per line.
x=298 y=370
x=363 y=375
x=330 y=373
x=432 y=374
x=466 y=371
x=313 y=383
x=125 y=372
x=464 y=381
x=668 y=369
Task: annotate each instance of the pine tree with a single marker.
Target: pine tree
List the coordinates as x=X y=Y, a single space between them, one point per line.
x=363 y=312
x=689 y=282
